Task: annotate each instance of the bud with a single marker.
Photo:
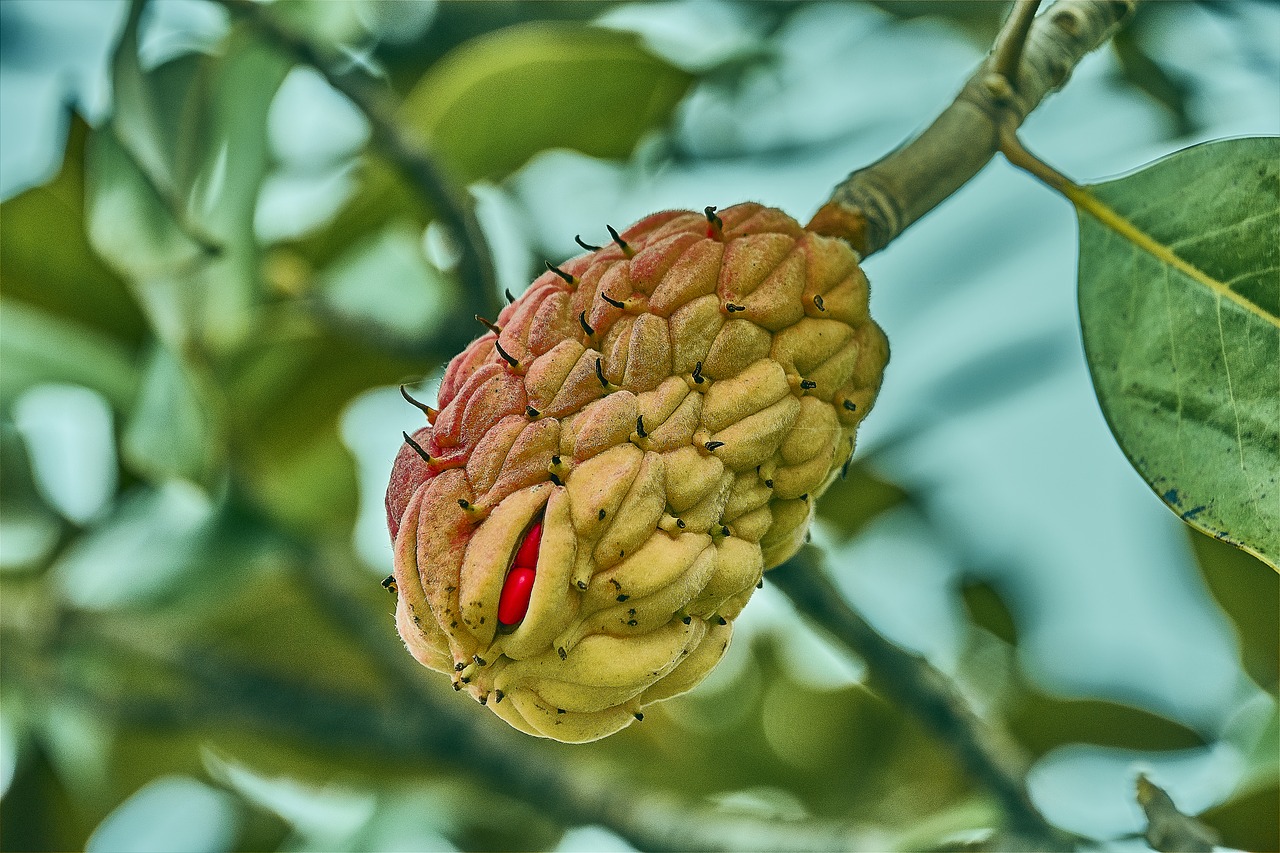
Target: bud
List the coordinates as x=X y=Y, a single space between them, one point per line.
x=612 y=469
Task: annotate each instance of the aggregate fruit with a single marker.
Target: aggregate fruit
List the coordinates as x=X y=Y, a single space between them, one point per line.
x=615 y=464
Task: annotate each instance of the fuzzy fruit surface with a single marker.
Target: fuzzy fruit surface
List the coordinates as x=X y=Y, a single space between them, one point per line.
x=664 y=411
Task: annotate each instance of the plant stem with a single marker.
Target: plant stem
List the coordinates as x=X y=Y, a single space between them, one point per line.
x=877 y=203
x=411 y=158
x=912 y=682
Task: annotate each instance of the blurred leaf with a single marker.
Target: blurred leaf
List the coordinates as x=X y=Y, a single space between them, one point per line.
x=37 y=813
x=979 y=21
x=1181 y=321
x=859 y=496
x=845 y=753
x=495 y=101
x=384 y=288
x=158 y=545
x=1041 y=722
x=37 y=346
x=285 y=396
x=968 y=825
x=424 y=816
x=1250 y=818
x=132 y=228
x=987 y=610
x=327 y=817
x=11 y=737
x=324 y=21
x=29 y=529
x=139 y=125
x=173 y=430
x=1251 y=597
x=455 y=809
x=1249 y=821
x=78 y=744
x=46 y=260
x=192 y=153
x=456 y=23
x=242 y=81
x=1169 y=829
x=382 y=196
x=173 y=814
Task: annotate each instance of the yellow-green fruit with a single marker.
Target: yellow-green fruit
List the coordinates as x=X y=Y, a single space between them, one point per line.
x=607 y=479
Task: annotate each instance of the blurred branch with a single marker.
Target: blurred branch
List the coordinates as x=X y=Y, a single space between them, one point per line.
x=220 y=693
x=415 y=163
x=912 y=682
x=1163 y=85
x=875 y=204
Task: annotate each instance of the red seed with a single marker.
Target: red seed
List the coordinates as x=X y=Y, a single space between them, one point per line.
x=513 y=604
x=527 y=556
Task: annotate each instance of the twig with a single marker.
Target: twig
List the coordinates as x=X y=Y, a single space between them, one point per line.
x=876 y=204
x=475 y=264
x=1006 y=54
x=913 y=683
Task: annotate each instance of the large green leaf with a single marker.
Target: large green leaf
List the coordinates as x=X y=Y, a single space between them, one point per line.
x=492 y=103
x=1180 y=308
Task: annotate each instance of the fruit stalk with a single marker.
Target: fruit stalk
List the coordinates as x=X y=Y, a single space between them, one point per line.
x=877 y=203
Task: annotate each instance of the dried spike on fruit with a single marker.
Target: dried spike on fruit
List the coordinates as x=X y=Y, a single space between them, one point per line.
x=603 y=487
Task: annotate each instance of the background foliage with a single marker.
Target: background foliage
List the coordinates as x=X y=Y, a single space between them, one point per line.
x=211 y=279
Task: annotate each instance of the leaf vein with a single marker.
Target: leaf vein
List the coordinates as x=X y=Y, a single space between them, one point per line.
x=1112 y=219
x=1213 y=232
x=1231 y=394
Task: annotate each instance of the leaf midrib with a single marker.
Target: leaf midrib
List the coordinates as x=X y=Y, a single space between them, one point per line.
x=1089 y=203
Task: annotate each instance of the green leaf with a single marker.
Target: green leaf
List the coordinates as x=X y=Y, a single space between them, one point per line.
x=171 y=813
x=1180 y=309
x=153 y=542
x=493 y=102
x=1042 y=722
x=173 y=199
x=857 y=498
x=1250 y=595
x=286 y=395
x=47 y=261
x=29 y=529
x=174 y=429
x=988 y=610
x=36 y=346
x=384 y=286
x=134 y=230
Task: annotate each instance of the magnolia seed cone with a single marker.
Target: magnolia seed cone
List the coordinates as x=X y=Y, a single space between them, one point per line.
x=607 y=479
